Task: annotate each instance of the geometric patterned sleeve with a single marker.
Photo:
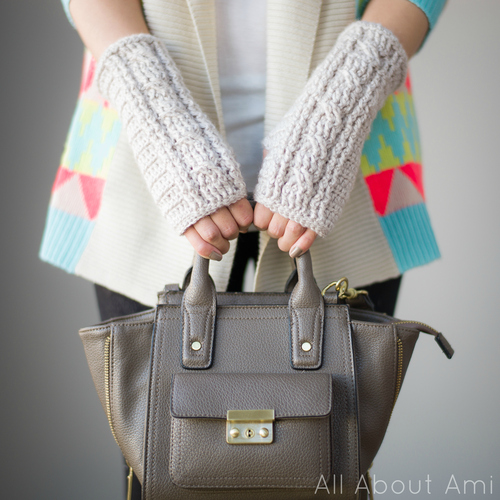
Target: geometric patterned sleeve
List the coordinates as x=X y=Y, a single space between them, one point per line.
x=65 y=4
x=431 y=8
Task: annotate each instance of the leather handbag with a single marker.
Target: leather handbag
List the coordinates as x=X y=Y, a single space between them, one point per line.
x=252 y=395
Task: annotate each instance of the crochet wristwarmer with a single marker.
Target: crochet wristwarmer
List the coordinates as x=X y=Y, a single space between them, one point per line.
x=315 y=151
x=183 y=158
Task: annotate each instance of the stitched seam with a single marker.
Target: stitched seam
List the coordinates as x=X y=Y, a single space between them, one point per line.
x=155 y=417
x=92 y=330
x=253 y=477
x=206 y=339
x=346 y=409
x=255 y=306
x=353 y=399
x=251 y=317
x=249 y=485
x=320 y=450
x=377 y=327
x=110 y=386
x=395 y=360
x=317 y=332
x=293 y=416
x=345 y=404
x=329 y=444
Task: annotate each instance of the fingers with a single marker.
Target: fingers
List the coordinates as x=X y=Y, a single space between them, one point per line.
x=211 y=234
x=225 y=223
x=242 y=213
x=262 y=217
x=303 y=243
x=292 y=237
x=201 y=246
x=292 y=233
x=277 y=226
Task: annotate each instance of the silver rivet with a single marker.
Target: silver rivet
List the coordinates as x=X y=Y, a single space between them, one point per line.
x=234 y=432
x=306 y=346
x=264 y=432
x=196 y=346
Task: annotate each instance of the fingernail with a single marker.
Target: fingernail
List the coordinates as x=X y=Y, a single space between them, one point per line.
x=215 y=256
x=295 y=252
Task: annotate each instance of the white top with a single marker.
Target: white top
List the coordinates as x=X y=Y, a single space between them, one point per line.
x=241 y=52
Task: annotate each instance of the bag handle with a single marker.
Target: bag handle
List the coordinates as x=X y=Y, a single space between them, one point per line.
x=198 y=312
x=199 y=309
x=307 y=314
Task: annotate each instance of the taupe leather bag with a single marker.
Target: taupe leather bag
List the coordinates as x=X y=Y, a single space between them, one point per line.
x=251 y=395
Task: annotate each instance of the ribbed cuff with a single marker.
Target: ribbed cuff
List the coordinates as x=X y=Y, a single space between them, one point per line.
x=65 y=4
x=431 y=8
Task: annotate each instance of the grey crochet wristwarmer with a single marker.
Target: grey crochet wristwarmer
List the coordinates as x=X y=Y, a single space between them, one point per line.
x=186 y=164
x=315 y=151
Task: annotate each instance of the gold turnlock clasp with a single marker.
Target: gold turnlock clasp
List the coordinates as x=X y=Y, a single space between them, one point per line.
x=249 y=426
x=342 y=287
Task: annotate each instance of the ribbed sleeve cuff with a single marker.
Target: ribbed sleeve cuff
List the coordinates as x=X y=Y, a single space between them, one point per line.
x=65 y=4
x=431 y=8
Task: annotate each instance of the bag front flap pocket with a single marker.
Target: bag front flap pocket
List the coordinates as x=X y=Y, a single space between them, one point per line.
x=283 y=418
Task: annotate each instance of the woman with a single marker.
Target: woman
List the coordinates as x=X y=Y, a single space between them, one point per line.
x=155 y=94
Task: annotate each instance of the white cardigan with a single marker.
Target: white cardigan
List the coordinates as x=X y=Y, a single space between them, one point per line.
x=132 y=249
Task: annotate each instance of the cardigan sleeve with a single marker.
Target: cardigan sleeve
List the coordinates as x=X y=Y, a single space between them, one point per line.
x=431 y=8
x=65 y=4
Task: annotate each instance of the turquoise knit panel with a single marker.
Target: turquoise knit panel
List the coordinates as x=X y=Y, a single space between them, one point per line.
x=64 y=239
x=65 y=4
x=410 y=237
x=432 y=9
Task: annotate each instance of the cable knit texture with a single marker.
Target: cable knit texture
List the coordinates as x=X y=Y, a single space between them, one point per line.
x=188 y=168
x=314 y=153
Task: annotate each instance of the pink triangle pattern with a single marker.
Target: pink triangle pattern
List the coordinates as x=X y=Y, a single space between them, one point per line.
x=88 y=71
x=379 y=185
x=414 y=172
x=68 y=199
x=92 y=188
x=63 y=175
x=396 y=188
x=77 y=194
x=403 y=193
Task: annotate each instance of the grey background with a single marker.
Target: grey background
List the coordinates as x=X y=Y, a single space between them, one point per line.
x=55 y=442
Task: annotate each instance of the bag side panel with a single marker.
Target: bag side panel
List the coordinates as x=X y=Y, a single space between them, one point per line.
x=376 y=356
x=129 y=379
x=94 y=340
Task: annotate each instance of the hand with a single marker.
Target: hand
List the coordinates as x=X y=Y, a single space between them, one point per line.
x=210 y=235
x=291 y=236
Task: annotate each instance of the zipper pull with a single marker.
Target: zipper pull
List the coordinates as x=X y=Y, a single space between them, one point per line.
x=445 y=345
x=130 y=479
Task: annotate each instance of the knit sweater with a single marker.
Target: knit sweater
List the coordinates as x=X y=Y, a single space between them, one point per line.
x=103 y=225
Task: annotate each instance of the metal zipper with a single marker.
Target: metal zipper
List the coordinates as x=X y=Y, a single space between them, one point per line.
x=107 y=390
x=416 y=323
x=107 y=362
x=399 y=375
x=130 y=479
